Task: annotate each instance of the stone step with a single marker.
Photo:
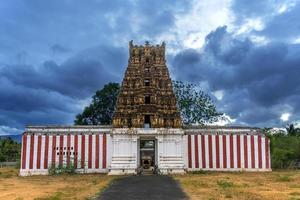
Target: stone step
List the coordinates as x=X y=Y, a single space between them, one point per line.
x=147 y=172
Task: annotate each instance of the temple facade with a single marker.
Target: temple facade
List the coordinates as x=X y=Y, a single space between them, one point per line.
x=146 y=133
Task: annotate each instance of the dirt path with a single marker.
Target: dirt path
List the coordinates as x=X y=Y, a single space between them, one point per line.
x=144 y=187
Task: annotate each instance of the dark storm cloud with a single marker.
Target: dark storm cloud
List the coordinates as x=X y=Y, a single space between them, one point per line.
x=78 y=77
x=54 y=55
x=278 y=25
x=285 y=26
x=260 y=77
x=46 y=74
x=56 y=48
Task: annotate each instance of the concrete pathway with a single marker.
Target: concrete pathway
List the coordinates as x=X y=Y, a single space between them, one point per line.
x=144 y=188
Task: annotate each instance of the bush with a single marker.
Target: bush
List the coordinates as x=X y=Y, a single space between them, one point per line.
x=62 y=169
x=285 y=151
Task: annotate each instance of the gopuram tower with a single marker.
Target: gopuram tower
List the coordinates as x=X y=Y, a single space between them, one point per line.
x=146 y=98
x=146 y=116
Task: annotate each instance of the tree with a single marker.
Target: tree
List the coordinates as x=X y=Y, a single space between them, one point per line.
x=9 y=150
x=194 y=105
x=102 y=108
x=292 y=131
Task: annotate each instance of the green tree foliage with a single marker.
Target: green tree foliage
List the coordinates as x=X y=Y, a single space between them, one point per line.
x=285 y=151
x=285 y=147
x=292 y=131
x=10 y=150
x=194 y=105
x=102 y=108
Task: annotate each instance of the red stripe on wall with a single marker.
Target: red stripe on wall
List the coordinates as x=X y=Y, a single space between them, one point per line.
x=259 y=152
x=224 y=152
x=46 y=152
x=267 y=152
x=76 y=151
x=61 y=151
x=217 y=152
x=38 y=161
x=31 y=151
x=203 y=151
x=189 y=151
x=53 y=150
x=210 y=151
x=82 y=150
x=68 y=149
x=97 y=152
x=246 y=151
x=231 y=151
x=252 y=152
x=104 y=151
x=196 y=151
x=238 y=147
x=24 y=149
x=90 y=151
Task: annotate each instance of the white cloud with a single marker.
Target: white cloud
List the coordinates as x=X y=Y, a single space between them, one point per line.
x=296 y=40
x=5 y=130
x=192 y=27
x=226 y=120
x=250 y=25
x=259 y=40
x=285 y=7
x=218 y=94
x=285 y=116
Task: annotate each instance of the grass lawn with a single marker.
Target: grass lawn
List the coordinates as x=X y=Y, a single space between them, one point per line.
x=77 y=186
x=217 y=185
x=202 y=185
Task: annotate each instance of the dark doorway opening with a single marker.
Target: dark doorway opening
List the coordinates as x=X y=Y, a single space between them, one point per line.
x=147 y=153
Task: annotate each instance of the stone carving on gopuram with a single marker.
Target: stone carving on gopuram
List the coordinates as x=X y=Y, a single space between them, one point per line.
x=146 y=97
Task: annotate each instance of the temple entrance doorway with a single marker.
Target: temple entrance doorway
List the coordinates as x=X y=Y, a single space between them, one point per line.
x=147 y=153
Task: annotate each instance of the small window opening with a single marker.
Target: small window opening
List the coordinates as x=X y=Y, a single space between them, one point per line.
x=147 y=99
x=165 y=122
x=147 y=82
x=147 y=123
x=129 y=123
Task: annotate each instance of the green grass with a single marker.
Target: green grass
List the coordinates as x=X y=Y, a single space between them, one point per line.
x=225 y=184
x=283 y=178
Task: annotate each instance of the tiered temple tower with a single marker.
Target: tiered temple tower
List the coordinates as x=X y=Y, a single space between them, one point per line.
x=146 y=97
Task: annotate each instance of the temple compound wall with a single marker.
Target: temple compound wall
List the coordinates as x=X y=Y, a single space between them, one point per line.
x=102 y=149
x=146 y=133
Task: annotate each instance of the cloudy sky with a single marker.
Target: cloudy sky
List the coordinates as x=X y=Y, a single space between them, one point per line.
x=55 y=54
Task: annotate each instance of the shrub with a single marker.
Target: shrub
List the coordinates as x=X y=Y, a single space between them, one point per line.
x=62 y=169
x=285 y=151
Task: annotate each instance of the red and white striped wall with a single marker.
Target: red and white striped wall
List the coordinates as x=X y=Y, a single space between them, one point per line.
x=87 y=152
x=228 y=152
